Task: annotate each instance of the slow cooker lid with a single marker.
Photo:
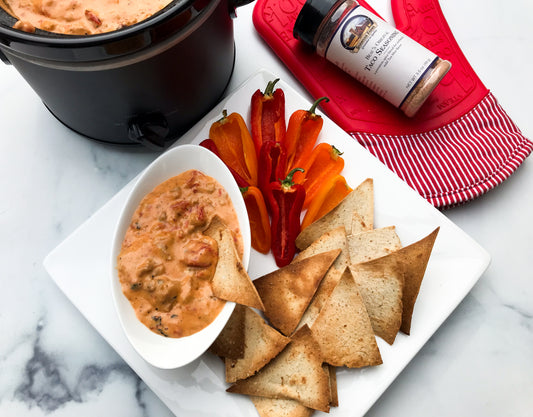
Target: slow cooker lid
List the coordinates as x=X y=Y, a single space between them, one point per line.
x=167 y=22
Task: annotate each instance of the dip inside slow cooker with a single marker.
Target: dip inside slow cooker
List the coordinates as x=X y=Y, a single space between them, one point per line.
x=80 y=17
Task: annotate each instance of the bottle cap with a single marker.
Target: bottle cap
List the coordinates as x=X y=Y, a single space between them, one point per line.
x=310 y=18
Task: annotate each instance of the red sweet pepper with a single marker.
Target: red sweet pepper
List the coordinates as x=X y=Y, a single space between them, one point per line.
x=302 y=134
x=268 y=115
x=286 y=200
x=272 y=165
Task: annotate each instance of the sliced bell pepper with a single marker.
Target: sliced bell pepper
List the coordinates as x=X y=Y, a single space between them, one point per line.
x=331 y=193
x=258 y=217
x=324 y=162
x=209 y=144
x=268 y=115
x=272 y=166
x=302 y=134
x=286 y=201
x=235 y=145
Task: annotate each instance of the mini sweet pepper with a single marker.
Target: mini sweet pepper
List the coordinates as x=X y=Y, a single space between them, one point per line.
x=235 y=145
x=324 y=163
x=286 y=201
x=272 y=165
x=328 y=196
x=302 y=133
x=268 y=115
x=258 y=217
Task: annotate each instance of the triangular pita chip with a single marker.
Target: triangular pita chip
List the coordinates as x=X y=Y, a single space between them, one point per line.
x=231 y=282
x=360 y=200
x=279 y=407
x=215 y=228
x=358 y=224
x=296 y=373
x=343 y=329
x=230 y=342
x=380 y=282
x=413 y=260
x=372 y=244
x=334 y=239
x=262 y=343
x=287 y=291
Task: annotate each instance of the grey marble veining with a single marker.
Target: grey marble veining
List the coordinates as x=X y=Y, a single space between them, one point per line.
x=43 y=385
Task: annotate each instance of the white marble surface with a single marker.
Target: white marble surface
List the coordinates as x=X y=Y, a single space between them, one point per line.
x=53 y=363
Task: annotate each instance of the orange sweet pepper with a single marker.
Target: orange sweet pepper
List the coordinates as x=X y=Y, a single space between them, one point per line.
x=302 y=133
x=258 y=217
x=235 y=145
x=324 y=162
x=328 y=196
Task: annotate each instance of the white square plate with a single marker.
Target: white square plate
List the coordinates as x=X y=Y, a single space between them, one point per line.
x=80 y=267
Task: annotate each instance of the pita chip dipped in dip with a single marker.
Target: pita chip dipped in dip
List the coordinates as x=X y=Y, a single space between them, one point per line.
x=166 y=263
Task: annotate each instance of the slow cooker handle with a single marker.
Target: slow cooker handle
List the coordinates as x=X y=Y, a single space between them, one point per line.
x=233 y=4
x=149 y=130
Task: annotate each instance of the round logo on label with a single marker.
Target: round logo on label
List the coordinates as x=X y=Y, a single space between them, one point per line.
x=355 y=31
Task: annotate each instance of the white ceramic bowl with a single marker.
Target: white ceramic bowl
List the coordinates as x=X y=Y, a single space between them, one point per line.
x=159 y=351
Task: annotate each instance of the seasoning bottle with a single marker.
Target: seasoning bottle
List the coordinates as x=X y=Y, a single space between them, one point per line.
x=372 y=51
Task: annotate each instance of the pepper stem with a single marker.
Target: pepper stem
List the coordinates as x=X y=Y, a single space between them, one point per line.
x=243 y=189
x=269 y=90
x=312 y=110
x=288 y=182
x=224 y=116
x=336 y=152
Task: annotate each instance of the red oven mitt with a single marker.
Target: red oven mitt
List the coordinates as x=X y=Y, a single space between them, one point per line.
x=459 y=145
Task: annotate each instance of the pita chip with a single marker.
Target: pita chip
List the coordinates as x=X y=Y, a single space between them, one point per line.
x=286 y=292
x=358 y=224
x=413 y=260
x=261 y=344
x=215 y=228
x=334 y=239
x=296 y=373
x=231 y=282
x=230 y=342
x=343 y=329
x=279 y=407
x=380 y=282
x=372 y=244
x=360 y=201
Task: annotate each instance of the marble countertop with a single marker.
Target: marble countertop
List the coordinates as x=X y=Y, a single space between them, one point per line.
x=53 y=363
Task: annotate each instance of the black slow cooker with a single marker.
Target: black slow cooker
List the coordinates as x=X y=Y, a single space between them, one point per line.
x=144 y=84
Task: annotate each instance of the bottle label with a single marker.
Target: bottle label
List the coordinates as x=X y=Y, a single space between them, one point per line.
x=378 y=55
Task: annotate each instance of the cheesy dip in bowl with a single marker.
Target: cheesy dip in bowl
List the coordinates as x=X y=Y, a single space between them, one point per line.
x=162 y=262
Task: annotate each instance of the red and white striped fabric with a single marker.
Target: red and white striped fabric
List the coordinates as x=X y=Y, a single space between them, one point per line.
x=459 y=161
